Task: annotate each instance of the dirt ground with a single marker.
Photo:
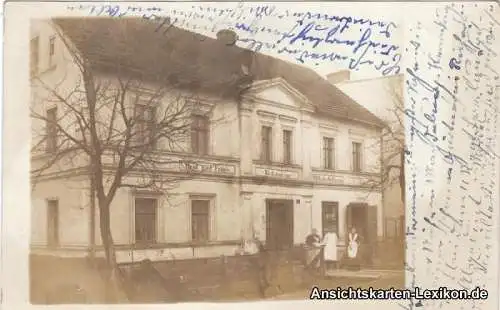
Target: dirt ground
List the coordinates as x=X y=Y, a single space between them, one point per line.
x=70 y=281
x=388 y=281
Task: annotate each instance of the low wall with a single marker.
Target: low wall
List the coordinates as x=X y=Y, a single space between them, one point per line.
x=214 y=278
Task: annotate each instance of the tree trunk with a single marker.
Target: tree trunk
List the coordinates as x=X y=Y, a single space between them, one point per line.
x=113 y=274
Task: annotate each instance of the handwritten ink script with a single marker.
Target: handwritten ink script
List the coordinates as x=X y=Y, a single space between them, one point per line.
x=452 y=108
x=310 y=37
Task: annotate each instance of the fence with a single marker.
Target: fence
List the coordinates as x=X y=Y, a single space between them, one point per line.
x=226 y=277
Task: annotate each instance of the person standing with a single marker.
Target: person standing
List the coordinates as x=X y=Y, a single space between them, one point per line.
x=313 y=239
x=313 y=250
x=330 y=250
x=353 y=248
x=261 y=263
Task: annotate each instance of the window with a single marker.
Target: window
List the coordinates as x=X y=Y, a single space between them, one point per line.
x=51 y=129
x=329 y=215
x=145 y=116
x=200 y=220
x=200 y=134
x=328 y=153
x=287 y=146
x=53 y=223
x=356 y=156
x=266 y=143
x=145 y=220
x=34 y=56
x=52 y=50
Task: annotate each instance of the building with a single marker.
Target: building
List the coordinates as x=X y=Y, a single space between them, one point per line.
x=289 y=153
x=384 y=98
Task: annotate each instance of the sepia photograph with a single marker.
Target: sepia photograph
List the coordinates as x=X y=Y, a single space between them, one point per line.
x=170 y=166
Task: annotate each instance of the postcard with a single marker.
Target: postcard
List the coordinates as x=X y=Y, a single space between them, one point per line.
x=216 y=154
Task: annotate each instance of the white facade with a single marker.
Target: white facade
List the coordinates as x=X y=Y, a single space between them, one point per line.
x=234 y=180
x=383 y=97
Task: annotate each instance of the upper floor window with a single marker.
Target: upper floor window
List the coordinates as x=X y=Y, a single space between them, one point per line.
x=34 y=56
x=52 y=50
x=328 y=152
x=287 y=146
x=145 y=120
x=51 y=129
x=200 y=129
x=266 y=143
x=356 y=156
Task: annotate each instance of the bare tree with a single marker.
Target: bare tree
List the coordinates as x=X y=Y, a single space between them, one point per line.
x=115 y=126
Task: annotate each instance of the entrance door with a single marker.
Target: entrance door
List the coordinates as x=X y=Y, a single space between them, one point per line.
x=364 y=219
x=356 y=217
x=279 y=217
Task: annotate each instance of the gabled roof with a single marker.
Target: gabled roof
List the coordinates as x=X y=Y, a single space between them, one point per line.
x=132 y=45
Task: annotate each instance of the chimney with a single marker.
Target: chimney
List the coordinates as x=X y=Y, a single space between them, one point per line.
x=228 y=37
x=339 y=76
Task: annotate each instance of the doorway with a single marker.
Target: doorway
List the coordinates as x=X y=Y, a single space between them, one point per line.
x=279 y=224
x=364 y=218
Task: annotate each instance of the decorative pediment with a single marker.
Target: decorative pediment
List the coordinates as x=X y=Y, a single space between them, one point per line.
x=279 y=92
x=357 y=133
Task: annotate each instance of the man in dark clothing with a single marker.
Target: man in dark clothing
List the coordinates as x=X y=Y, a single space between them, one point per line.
x=261 y=264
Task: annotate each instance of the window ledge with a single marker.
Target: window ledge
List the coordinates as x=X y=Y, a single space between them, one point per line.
x=276 y=164
x=361 y=173
x=160 y=245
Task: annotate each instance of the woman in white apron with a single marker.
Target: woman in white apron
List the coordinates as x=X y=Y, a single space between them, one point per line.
x=330 y=249
x=352 y=248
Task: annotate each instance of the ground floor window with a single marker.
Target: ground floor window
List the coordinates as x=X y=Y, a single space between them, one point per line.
x=200 y=220
x=329 y=214
x=53 y=223
x=145 y=220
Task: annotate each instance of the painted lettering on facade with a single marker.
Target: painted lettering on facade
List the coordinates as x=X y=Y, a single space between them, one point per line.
x=332 y=179
x=274 y=173
x=328 y=178
x=202 y=167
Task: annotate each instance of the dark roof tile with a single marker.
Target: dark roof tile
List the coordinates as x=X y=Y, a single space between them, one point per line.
x=133 y=45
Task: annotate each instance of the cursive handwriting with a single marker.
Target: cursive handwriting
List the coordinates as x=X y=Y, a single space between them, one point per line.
x=451 y=123
x=311 y=38
x=358 y=51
